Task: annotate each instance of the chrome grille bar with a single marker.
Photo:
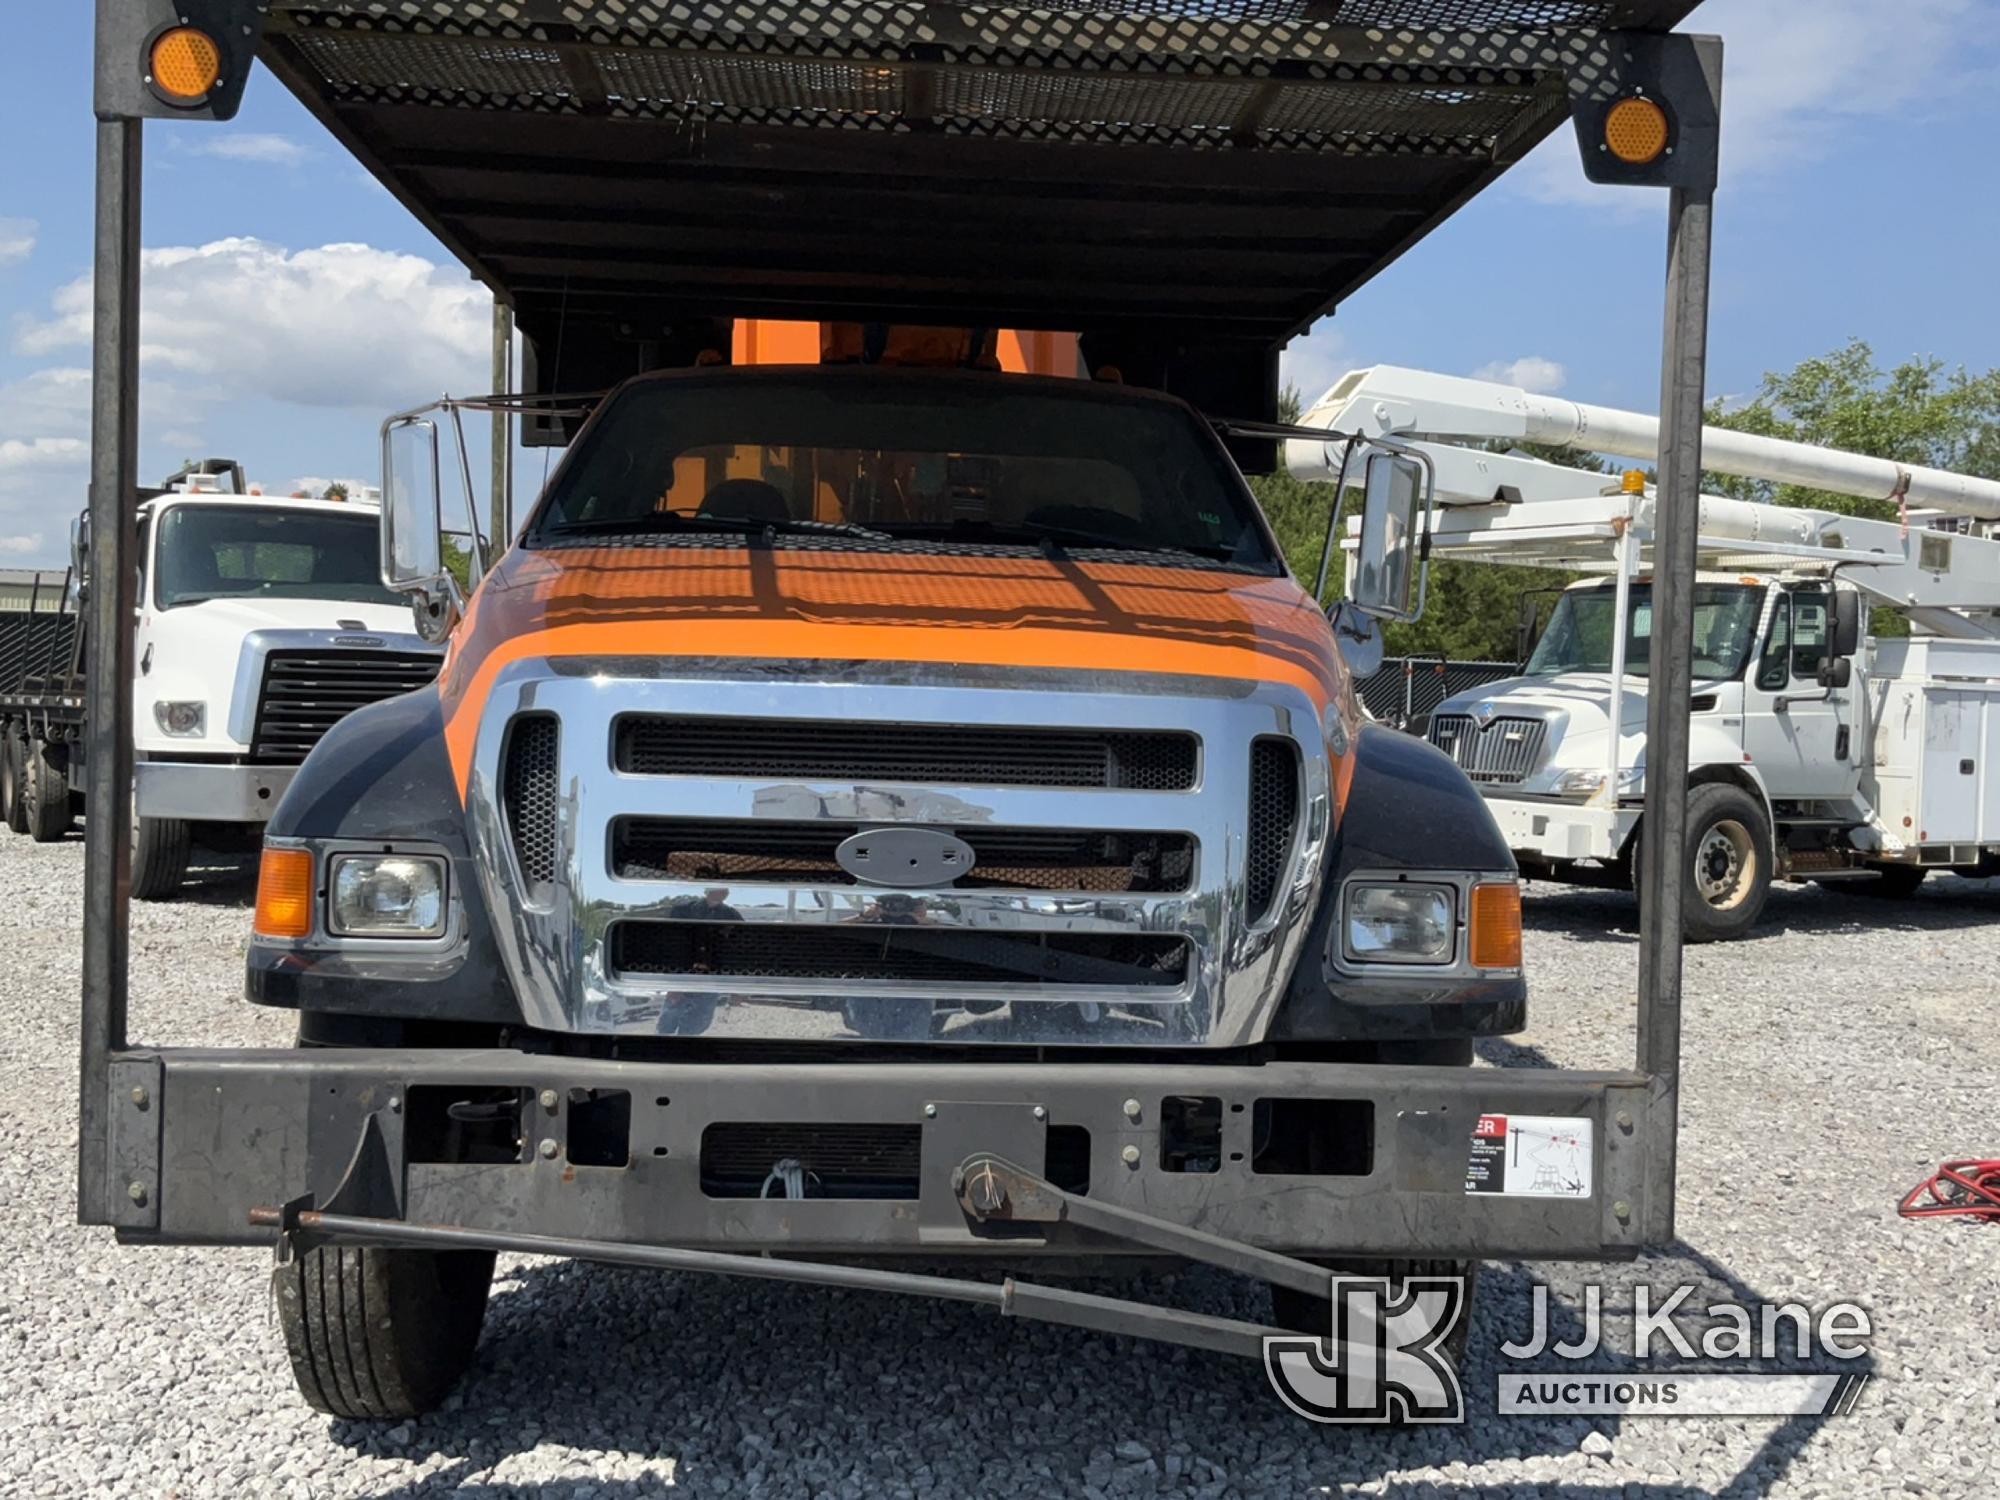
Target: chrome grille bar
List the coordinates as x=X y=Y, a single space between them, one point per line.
x=1500 y=753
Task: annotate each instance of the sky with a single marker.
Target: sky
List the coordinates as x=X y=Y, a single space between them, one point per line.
x=290 y=303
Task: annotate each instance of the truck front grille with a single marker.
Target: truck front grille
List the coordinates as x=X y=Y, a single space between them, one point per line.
x=1500 y=754
x=911 y=953
x=1033 y=859
x=528 y=792
x=305 y=693
x=1274 y=817
x=952 y=755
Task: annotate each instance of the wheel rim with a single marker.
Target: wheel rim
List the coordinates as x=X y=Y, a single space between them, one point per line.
x=1725 y=865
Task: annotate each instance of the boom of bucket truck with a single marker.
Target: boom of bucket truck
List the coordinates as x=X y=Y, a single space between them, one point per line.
x=1815 y=754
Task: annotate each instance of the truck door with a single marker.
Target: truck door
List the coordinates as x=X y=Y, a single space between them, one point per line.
x=1796 y=734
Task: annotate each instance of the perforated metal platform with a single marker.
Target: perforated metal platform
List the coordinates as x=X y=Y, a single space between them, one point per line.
x=1202 y=173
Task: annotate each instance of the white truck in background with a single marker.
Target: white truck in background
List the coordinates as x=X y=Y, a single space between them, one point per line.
x=1817 y=752
x=261 y=622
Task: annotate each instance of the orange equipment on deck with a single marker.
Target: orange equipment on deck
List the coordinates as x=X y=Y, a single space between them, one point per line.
x=769 y=341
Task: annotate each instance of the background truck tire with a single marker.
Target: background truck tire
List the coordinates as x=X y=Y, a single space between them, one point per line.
x=44 y=792
x=380 y=1334
x=1314 y=1315
x=159 y=857
x=1728 y=874
x=11 y=808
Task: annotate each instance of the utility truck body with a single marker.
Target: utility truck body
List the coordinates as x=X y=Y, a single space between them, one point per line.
x=1815 y=752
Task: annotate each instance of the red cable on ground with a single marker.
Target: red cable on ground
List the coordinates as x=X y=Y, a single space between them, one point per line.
x=1961 y=1189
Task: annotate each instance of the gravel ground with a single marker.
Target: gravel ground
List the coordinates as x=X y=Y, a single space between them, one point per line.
x=1831 y=1063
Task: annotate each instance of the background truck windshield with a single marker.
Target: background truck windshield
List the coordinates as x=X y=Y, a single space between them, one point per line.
x=1579 y=635
x=951 y=461
x=263 y=552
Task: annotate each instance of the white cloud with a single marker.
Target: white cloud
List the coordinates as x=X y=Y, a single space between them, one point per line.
x=21 y=545
x=253 y=146
x=41 y=452
x=1793 y=76
x=17 y=240
x=1531 y=372
x=345 y=326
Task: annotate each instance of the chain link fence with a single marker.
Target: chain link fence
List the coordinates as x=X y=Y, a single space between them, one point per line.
x=1405 y=690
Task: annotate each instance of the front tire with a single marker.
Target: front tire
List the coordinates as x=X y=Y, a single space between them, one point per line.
x=1727 y=875
x=379 y=1334
x=159 y=857
x=44 y=792
x=11 y=809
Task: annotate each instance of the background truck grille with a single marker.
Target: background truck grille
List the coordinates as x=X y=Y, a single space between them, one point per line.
x=1037 y=859
x=528 y=795
x=952 y=755
x=1274 y=815
x=1504 y=752
x=306 y=693
x=913 y=953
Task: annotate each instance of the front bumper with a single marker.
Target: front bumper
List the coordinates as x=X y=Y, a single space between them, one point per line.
x=200 y=1138
x=1554 y=830
x=209 y=793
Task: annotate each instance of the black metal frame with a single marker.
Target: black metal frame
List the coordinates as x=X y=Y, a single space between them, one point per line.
x=181 y=1144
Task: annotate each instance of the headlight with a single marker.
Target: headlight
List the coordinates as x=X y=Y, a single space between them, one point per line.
x=386 y=895
x=187 y=719
x=1401 y=923
x=1631 y=780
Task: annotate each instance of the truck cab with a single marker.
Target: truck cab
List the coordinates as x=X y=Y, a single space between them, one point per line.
x=260 y=622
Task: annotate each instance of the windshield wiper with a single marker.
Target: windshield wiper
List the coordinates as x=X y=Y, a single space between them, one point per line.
x=653 y=522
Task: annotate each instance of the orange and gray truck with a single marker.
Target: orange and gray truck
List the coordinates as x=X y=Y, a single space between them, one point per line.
x=891 y=810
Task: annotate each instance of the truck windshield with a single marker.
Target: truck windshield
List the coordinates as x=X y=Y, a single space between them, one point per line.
x=267 y=552
x=892 y=459
x=1579 y=635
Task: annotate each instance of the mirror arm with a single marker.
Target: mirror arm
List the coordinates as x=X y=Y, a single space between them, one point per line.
x=1333 y=521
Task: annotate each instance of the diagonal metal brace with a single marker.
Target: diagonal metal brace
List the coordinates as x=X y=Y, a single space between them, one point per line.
x=992 y=1190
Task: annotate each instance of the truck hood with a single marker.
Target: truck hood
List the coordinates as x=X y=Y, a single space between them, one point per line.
x=214 y=619
x=819 y=604
x=1581 y=700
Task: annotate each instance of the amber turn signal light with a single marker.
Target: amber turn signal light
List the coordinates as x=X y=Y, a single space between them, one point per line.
x=1636 y=131
x=186 y=64
x=284 y=894
x=1496 y=926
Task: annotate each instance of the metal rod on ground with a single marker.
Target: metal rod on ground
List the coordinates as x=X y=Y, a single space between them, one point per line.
x=501 y=496
x=1663 y=838
x=114 y=499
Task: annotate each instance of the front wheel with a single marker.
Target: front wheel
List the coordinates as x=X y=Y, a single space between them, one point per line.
x=380 y=1334
x=159 y=857
x=1728 y=871
x=12 y=811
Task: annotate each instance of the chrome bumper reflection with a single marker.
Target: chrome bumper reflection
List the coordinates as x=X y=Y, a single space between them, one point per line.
x=558 y=937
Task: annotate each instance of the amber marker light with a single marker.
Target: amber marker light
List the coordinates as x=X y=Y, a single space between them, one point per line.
x=284 y=894
x=186 y=64
x=1636 y=131
x=1496 y=926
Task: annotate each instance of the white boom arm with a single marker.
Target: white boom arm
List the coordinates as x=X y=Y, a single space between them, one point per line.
x=1389 y=401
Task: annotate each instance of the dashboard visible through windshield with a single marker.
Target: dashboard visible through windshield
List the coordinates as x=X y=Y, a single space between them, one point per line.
x=890 y=459
x=1579 y=633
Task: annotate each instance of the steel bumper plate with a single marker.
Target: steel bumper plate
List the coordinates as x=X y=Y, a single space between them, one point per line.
x=234 y=1130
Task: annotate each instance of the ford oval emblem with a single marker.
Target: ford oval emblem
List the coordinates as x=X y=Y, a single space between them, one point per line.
x=905 y=856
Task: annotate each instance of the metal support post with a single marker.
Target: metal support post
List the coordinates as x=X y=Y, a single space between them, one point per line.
x=114 y=501
x=1663 y=837
x=501 y=495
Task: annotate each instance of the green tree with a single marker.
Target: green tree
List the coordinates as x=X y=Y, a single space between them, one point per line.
x=1920 y=412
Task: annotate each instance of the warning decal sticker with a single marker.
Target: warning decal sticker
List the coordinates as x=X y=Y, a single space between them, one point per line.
x=1530 y=1156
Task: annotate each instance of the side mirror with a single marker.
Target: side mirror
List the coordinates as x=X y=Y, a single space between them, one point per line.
x=1838 y=671
x=413 y=560
x=1846 y=624
x=1387 y=580
x=79 y=560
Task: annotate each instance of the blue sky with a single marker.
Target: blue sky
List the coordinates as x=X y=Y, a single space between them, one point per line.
x=291 y=303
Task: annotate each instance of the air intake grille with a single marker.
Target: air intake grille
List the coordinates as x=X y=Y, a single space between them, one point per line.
x=1274 y=815
x=910 y=953
x=1502 y=753
x=528 y=796
x=307 y=692
x=1037 y=859
x=950 y=755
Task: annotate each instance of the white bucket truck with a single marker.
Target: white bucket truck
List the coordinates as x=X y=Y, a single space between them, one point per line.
x=1817 y=751
x=261 y=622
